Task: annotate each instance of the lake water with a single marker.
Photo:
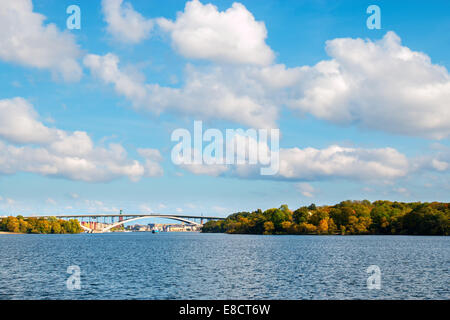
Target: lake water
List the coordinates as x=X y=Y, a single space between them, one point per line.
x=220 y=266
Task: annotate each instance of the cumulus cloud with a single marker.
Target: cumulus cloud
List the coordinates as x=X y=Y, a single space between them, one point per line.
x=152 y=162
x=232 y=36
x=19 y=123
x=213 y=170
x=54 y=152
x=124 y=23
x=311 y=164
x=26 y=40
x=440 y=165
x=436 y=159
x=379 y=85
x=402 y=191
x=217 y=93
x=306 y=189
x=107 y=69
x=342 y=162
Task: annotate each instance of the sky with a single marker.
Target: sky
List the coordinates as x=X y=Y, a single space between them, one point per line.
x=86 y=115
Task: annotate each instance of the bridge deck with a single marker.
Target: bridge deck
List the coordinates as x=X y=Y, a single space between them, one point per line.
x=155 y=215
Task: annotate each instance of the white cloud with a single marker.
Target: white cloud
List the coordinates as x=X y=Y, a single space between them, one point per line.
x=51 y=201
x=213 y=170
x=436 y=159
x=150 y=154
x=310 y=164
x=439 y=165
x=232 y=36
x=342 y=162
x=152 y=159
x=26 y=40
x=124 y=23
x=402 y=190
x=102 y=164
x=380 y=85
x=54 y=152
x=107 y=69
x=205 y=169
x=306 y=189
x=217 y=93
x=19 y=123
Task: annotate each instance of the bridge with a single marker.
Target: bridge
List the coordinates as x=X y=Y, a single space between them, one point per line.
x=110 y=223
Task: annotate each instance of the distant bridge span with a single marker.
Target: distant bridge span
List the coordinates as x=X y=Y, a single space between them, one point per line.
x=133 y=217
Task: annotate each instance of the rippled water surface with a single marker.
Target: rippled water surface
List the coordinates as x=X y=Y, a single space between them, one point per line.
x=219 y=266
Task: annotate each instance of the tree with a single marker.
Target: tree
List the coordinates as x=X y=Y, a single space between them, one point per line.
x=23 y=226
x=332 y=228
x=277 y=216
x=307 y=228
x=13 y=225
x=323 y=226
x=341 y=215
x=301 y=215
x=287 y=226
x=43 y=226
x=268 y=227
x=56 y=227
x=425 y=220
x=317 y=216
x=347 y=217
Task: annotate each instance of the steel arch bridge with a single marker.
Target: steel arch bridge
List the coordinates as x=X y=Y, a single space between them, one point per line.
x=124 y=218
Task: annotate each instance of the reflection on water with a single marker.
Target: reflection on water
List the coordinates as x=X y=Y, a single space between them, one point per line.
x=219 y=266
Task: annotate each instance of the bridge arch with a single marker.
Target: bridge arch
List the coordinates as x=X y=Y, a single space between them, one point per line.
x=85 y=228
x=146 y=217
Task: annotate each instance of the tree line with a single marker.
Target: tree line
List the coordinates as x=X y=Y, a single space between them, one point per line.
x=20 y=224
x=347 y=217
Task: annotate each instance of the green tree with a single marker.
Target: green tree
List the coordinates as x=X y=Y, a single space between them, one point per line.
x=301 y=215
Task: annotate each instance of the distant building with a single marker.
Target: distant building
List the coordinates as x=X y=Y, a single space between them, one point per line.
x=160 y=227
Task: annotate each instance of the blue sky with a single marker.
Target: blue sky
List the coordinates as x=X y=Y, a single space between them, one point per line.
x=133 y=74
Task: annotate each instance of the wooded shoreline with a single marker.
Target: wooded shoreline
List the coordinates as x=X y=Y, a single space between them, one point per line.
x=22 y=225
x=346 y=218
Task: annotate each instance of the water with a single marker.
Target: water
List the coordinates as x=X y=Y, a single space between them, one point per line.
x=219 y=266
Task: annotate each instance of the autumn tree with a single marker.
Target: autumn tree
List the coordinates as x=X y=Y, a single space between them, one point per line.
x=268 y=227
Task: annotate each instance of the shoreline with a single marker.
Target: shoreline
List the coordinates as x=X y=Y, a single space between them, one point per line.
x=7 y=232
